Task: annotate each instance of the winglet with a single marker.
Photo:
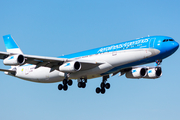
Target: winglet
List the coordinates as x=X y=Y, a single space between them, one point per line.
x=11 y=45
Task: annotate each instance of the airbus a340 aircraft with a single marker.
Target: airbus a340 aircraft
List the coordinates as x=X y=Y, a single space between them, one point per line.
x=121 y=58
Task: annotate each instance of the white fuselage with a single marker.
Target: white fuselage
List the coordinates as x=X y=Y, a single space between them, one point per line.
x=110 y=60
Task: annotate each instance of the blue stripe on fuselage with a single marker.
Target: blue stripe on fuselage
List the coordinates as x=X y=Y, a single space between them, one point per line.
x=133 y=44
x=155 y=42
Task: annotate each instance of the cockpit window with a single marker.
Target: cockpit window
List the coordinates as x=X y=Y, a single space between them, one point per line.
x=171 y=40
x=165 y=40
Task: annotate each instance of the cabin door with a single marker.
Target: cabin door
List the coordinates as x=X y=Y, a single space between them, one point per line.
x=151 y=43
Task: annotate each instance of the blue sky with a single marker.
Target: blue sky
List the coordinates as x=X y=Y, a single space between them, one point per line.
x=57 y=27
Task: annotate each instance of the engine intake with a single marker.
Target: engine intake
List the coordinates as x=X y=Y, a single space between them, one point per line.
x=14 y=60
x=70 y=67
x=153 y=73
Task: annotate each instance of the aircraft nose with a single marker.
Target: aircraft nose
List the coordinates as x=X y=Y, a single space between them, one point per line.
x=175 y=45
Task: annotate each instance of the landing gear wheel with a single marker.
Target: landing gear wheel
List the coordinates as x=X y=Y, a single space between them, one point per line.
x=103 y=90
x=83 y=85
x=70 y=82
x=102 y=85
x=65 y=87
x=79 y=84
x=60 y=86
x=65 y=81
x=107 y=85
x=98 y=90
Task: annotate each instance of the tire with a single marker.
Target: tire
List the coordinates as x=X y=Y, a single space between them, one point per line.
x=65 y=87
x=103 y=90
x=65 y=81
x=83 y=84
x=70 y=82
x=60 y=86
x=79 y=84
x=98 y=90
x=107 y=85
x=102 y=85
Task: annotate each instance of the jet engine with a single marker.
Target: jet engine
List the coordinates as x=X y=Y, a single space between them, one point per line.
x=154 y=72
x=70 y=67
x=14 y=60
x=136 y=73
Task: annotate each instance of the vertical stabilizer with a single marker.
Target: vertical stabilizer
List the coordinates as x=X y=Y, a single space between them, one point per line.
x=11 y=45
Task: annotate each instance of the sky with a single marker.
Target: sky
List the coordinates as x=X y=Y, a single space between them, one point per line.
x=58 y=27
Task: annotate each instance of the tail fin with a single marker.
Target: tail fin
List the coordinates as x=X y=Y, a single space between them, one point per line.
x=11 y=45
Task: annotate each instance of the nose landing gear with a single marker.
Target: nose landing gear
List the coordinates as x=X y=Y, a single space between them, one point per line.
x=158 y=62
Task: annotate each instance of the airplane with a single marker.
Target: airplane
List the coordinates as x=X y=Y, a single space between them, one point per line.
x=122 y=58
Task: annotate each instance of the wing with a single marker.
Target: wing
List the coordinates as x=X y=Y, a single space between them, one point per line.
x=4 y=55
x=5 y=70
x=9 y=72
x=51 y=62
x=39 y=61
x=54 y=63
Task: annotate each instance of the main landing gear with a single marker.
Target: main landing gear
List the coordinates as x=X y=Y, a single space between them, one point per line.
x=82 y=83
x=103 y=86
x=65 y=84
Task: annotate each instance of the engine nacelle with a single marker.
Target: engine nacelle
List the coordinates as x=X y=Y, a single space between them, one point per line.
x=136 y=73
x=153 y=73
x=70 y=67
x=14 y=60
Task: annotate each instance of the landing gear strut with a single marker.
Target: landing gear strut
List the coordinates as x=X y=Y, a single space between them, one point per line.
x=103 y=86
